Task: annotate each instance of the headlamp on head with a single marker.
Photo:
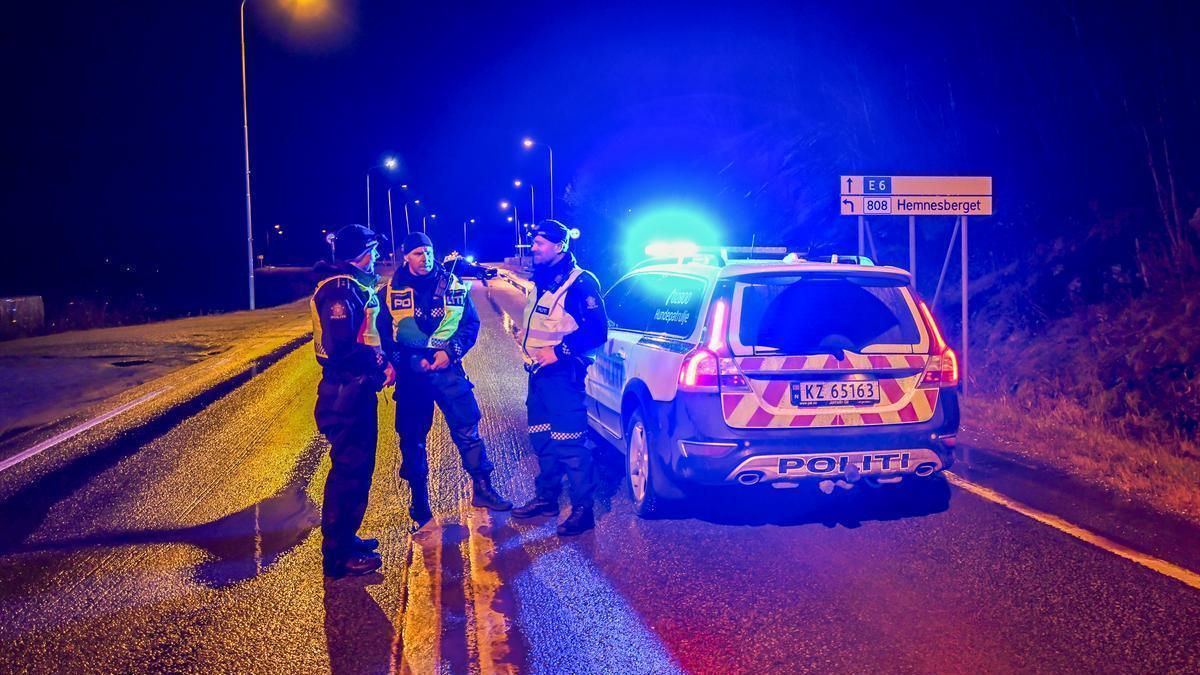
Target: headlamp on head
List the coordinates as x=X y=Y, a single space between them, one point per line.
x=554 y=232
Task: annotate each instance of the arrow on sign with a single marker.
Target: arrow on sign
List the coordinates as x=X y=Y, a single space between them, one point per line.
x=849 y=185
x=849 y=203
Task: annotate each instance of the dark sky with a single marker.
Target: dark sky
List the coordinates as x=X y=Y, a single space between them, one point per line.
x=124 y=141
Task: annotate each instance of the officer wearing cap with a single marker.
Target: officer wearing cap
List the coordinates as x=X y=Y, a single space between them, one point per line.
x=428 y=325
x=344 y=309
x=564 y=322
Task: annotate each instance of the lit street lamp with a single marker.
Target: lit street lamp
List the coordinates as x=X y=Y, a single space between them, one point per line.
x=407 y=224
x=309 y=13
x=391 y=225
x=246 y=148
x=464 y=248
x=390 y=164
x=532 y=218
x=529 y=143
x=515 y=219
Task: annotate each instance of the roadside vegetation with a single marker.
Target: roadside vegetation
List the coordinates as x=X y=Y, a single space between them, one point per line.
x=1087 y=357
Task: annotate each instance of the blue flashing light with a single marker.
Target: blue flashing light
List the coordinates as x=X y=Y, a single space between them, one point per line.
x=471 y=259
x=671 y=249
x=664 y=226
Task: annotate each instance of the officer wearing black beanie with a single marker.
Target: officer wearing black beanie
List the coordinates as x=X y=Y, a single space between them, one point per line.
x=344 y=308
x=564 y=322
x=427 y=326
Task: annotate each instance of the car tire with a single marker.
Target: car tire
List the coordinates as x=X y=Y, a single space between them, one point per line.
x=645 y=473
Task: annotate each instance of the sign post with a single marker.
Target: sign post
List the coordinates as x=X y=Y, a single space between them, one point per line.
x=913 y=196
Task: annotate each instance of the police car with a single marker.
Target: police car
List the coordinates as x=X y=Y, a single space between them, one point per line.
x=739 y=372
x=466 y=267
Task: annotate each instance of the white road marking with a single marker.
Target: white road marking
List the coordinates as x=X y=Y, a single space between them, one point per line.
x=75 y=431
x=1150 y=562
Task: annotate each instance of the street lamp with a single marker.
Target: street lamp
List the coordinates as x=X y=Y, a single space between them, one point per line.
x=246 y=148
x=407 y=224
x=517 y=184
x=391 y=225
x=390 y=164
x=303 y=12
x=515 y=219
x=464 y=248
x=529 y=143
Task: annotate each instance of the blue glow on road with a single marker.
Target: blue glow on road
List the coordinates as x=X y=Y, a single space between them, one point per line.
x=573 y=618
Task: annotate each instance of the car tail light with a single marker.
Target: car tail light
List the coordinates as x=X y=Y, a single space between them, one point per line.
x=942 y=369
x=707 y=364
x=699 y=370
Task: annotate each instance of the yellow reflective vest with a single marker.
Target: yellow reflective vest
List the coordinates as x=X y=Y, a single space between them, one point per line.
x=450 y=299
x=367 y=333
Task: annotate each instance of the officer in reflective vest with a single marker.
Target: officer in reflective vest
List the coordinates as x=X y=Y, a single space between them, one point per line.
x=344 y=312
x=428 y=325
x=564 y=322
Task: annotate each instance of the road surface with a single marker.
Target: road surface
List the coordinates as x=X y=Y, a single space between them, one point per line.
x=190 y=544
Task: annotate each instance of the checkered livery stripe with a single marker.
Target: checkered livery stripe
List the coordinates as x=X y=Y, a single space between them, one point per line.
x=769 y=405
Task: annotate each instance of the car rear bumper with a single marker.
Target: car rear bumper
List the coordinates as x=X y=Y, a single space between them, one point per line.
x=701 y=449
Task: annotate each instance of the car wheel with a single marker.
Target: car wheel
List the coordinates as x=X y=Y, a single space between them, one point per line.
x=645 y=472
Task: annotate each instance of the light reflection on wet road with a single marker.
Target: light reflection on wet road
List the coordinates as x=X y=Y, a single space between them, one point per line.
x=195 y=549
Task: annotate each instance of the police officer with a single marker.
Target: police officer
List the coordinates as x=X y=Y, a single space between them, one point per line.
x=428 y=326
x=344 y=309
x=564 y=321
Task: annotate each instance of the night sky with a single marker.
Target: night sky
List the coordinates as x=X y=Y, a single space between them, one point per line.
x=124 y=146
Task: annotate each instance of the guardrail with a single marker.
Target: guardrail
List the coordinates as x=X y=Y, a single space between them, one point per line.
x=516 y=281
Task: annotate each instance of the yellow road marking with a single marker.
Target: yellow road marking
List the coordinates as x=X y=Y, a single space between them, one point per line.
x=420 y=634
x=491 y=625
x=418 y=644
x=1157 y=564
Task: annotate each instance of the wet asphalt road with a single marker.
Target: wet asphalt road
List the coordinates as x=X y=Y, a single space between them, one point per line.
x=191 y=547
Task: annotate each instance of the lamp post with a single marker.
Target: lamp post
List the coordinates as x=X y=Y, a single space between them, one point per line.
x=516 y=221
x=306 y=14
x=246 y=148
x=464 y=248
x=532 y=218
x=529 y=143
x=407 y=224
x=390 y=164
x=391 y=225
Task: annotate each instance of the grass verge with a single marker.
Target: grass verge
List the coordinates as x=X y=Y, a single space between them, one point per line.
x=1163 y=475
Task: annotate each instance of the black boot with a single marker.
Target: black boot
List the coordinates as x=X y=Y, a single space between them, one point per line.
x=581 y=520
x=486 y=496
x=536 y=507
x=355 y=564
x=420 y=513
x=365 y=545
x=419 y=510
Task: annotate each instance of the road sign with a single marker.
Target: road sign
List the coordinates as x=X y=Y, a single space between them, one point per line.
x=916 y=195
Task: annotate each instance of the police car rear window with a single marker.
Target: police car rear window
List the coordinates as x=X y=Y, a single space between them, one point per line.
x=815 y=314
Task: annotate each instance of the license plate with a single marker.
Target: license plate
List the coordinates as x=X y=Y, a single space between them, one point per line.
x=858 y=392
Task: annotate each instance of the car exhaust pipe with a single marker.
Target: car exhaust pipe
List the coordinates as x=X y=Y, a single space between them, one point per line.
x=749 y=477
x=925 y=469
x=877 y=481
